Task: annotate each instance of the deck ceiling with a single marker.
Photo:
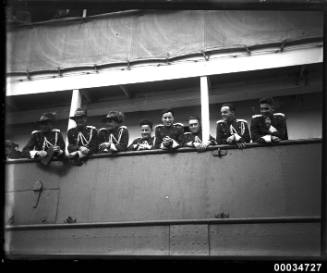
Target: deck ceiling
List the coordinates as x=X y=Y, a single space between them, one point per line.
x=133 y=94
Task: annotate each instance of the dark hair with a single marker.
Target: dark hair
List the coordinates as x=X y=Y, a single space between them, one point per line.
x=194 y=117
x=146 y=122
x=230 y=105
x=267 y=100
x=116 y=116
x=167 y=111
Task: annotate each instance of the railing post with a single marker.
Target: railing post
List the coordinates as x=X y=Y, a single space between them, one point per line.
x=205 y=119
x=76 y=102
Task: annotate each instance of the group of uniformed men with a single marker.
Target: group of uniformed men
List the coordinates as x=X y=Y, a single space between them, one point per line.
x=83 y=140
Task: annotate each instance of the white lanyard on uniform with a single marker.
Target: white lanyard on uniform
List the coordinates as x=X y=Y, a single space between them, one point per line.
x=47 y=143
x=81 y=138
x=197 y=139
x=113 y=140
x=233 y=130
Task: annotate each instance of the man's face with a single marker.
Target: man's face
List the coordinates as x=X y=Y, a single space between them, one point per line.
x=194 y=125
x=146 y=131
x=167 y=119
x=266 y=109
x=111 y=124
x=46 y=126
x=226 y=113
x=81 y=121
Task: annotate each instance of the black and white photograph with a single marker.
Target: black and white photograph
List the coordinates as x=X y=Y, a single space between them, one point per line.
x=165 y=131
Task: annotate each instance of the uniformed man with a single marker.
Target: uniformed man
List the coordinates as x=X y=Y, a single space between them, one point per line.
x=146 y=141
x=113 y=138
x=11 y=151
x=268 y=127
x=168 y=135
x=193 y=138
x=47 y=142
x=82 y=139
x=231 y=130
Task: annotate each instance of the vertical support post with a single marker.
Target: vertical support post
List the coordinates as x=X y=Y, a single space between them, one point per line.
x=205 y=119
x=76 y=102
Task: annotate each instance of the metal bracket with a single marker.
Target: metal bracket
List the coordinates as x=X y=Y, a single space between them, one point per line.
x=248 y=51
x=302 y=76
x=37 y=189
x=282 y=46
x=70 y=220
x=59 y=71
x=28 y=75
x=205 y=56
x=167 y=58
x=222 y=215
x=220 y=153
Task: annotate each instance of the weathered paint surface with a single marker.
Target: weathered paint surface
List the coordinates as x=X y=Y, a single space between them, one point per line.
x=256 y=182
x=276 y=239
x=290 y=239
x=98 y=241
x=189 y=240
x=278 y=181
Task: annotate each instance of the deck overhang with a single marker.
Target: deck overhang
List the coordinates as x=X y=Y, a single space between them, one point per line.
x=219 y=64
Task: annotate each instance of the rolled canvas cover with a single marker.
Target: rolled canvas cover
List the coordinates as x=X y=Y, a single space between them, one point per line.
x=151 y=35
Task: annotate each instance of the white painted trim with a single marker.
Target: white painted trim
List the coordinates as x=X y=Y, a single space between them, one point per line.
x=76 y=102
x=150 y=73
x=205 y=119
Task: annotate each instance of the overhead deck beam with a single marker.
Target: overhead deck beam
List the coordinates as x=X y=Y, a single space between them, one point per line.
x=182 y=98
x=151 y=73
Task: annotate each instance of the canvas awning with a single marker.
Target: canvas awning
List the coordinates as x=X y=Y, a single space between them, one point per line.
x=152 y=36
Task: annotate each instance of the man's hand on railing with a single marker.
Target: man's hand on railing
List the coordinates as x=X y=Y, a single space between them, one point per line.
x=230 y=139
x=240 y=145
x=275 y=139
x=167 y=141
x=84 y=150
x=42 y=154
x=200 y=147
x=103 y=146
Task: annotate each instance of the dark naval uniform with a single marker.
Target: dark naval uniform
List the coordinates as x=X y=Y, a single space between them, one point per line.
x=11 y=152
x=175 y=132
x=141 y=144
x=238 y=127
x=190 y=139
x=14 y=154
x=85 y=136
x=274 y=125
x=41 y=141
x=118 y=138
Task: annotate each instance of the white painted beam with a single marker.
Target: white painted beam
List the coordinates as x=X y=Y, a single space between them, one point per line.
x=205 y=119
x=150 y=73
x=76 y=102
